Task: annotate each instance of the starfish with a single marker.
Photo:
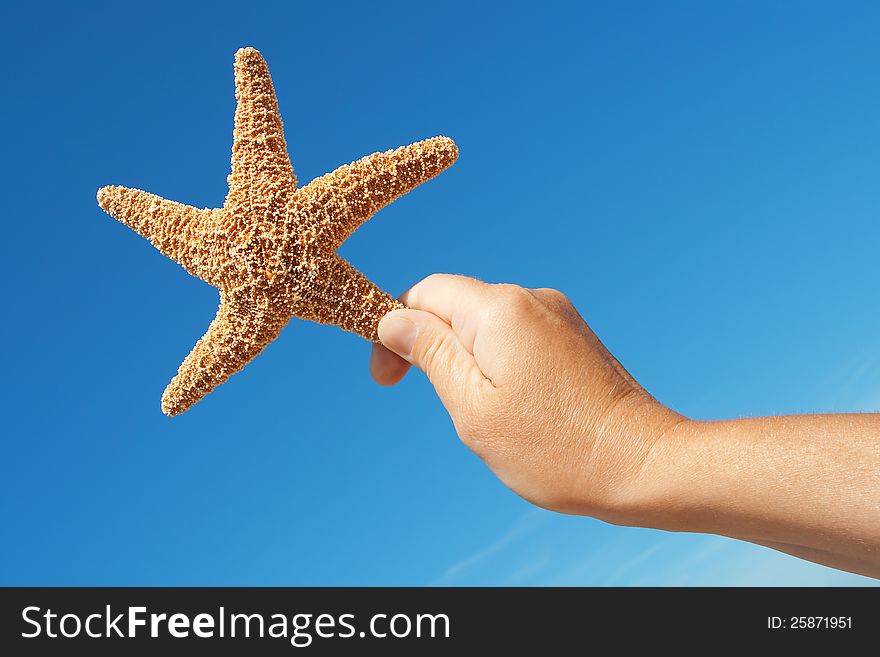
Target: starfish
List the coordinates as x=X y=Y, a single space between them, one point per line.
x=271 y=248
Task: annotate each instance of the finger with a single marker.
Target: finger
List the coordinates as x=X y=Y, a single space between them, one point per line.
x=430 y=344
x=457 y=300
x=386 y=367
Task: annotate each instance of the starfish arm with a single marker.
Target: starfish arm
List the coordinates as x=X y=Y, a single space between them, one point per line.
x=183 y=233
x=262 y=177
x=345 y=297
x=347 y=197
x=239 y=332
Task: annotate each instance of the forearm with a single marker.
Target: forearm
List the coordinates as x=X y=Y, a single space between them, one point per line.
x=808 y=485
x=536 y=395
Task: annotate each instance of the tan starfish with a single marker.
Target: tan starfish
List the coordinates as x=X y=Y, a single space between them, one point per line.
x=271 y=249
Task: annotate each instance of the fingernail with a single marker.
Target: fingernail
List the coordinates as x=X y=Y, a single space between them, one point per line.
x=398 y=334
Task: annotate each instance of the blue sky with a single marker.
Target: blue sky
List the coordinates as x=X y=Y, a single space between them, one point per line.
x=700 y=178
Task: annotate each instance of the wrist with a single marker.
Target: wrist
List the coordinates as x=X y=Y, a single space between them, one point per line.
x=657 y=494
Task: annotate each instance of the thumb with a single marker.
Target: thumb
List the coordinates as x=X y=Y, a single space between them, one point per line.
x=430 y=344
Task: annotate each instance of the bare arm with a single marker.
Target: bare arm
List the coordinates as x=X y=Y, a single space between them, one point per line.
x=807 y=485
x=536 y=395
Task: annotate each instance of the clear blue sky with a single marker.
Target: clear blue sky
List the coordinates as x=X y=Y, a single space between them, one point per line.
x=700 y=178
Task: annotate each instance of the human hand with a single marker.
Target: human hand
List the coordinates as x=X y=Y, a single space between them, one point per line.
x=530 y=389
x=536 y=395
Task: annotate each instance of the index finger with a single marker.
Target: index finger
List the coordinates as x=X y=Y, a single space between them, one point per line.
x=456 y=300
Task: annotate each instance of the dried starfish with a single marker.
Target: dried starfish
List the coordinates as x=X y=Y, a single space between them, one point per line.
x=271 y=249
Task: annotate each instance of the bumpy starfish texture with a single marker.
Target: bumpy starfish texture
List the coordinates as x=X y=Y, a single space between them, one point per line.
x=271 y=248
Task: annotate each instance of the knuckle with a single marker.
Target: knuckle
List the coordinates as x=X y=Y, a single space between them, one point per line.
x=435 y=353
x=510 y=290
x=553 y=296
x=511 y=299
x=427 y=355
x=556 y=295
